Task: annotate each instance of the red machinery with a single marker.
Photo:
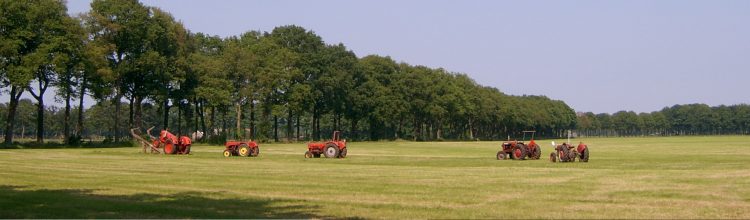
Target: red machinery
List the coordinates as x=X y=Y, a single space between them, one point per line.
x=519 y=151
x=172 y=144
x=335 y=148
x=568 y=153
x=168 y=141
x=240 y=148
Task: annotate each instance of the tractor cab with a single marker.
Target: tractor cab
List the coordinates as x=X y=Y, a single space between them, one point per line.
x=336 y=139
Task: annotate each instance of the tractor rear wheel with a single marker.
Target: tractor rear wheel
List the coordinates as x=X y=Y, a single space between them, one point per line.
x=244 y=150
x=553 y=157
x=331 y=151
x=255 y=151
x=501 y=155
x=536 y=153
x=343 y=153
x=585 y=155
x=308 y=154
x=520 y=152
x=227 y=153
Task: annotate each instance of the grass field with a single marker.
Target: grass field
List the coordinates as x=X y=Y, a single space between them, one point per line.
x=676 y=177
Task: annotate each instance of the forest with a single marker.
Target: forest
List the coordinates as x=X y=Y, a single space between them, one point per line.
x=143 y=68
x=692 y=119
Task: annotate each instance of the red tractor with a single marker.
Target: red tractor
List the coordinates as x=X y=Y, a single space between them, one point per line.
x=568 y=153
x=168 y=141
x=335 y=148
x=519 y=151
x=240 y=148
x=172 y=144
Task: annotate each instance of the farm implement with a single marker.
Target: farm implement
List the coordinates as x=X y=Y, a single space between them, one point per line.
x=335 y=148
x=167 y=141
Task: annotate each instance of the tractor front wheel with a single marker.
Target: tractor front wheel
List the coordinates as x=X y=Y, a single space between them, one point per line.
x=308 y=154
x=585 y=155
x=255 y=152
x=227 y=153
x=501 y=155
x=572 y=155
x=331 y=151
x=343 y=153
x=169 y=148
x=536 y=153
x=244 y=150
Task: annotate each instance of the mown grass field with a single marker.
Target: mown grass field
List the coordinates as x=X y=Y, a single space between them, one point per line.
x=675 y=177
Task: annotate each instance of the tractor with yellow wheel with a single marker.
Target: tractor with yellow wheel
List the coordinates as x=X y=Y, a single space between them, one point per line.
x=241 y=148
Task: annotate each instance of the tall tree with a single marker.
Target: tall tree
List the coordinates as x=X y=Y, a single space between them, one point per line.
x=120 y=26
x=163 y=66
x=31 y=37
x=71 y=70
x=308 y=46
x=212 y=86
x=240 y=66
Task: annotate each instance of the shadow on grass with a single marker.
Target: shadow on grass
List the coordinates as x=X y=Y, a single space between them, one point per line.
x=17 y=202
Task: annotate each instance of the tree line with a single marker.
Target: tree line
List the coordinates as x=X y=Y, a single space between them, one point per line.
x=692 y=119
x=143 y=69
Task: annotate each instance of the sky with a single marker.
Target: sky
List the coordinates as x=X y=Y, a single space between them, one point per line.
x=598 y=56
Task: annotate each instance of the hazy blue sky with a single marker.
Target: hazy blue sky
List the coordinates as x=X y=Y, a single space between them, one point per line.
x=600 y=56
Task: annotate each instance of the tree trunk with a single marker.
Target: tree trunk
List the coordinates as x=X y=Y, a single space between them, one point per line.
x=212 y=118
x=276 y=128
x=203 y=117
x=179 y=119
x=238 y=126
x=317 y=128
x=138 y=118
x=398 y=129
x=40 y=108
x=252 y=120
x=353 y=130
x=15 y=95
x=79 y=126
x=40 y=120
x=471 y=130
x=439 y=130
x=116 y=129
x=66 y=118
x=224 y=121
x=289 y=125
x=196 y=121
x=312 y=125
x=296 y=137
x=166 y=114
x=416 y=129
x=317 y=125
x=131 y=103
